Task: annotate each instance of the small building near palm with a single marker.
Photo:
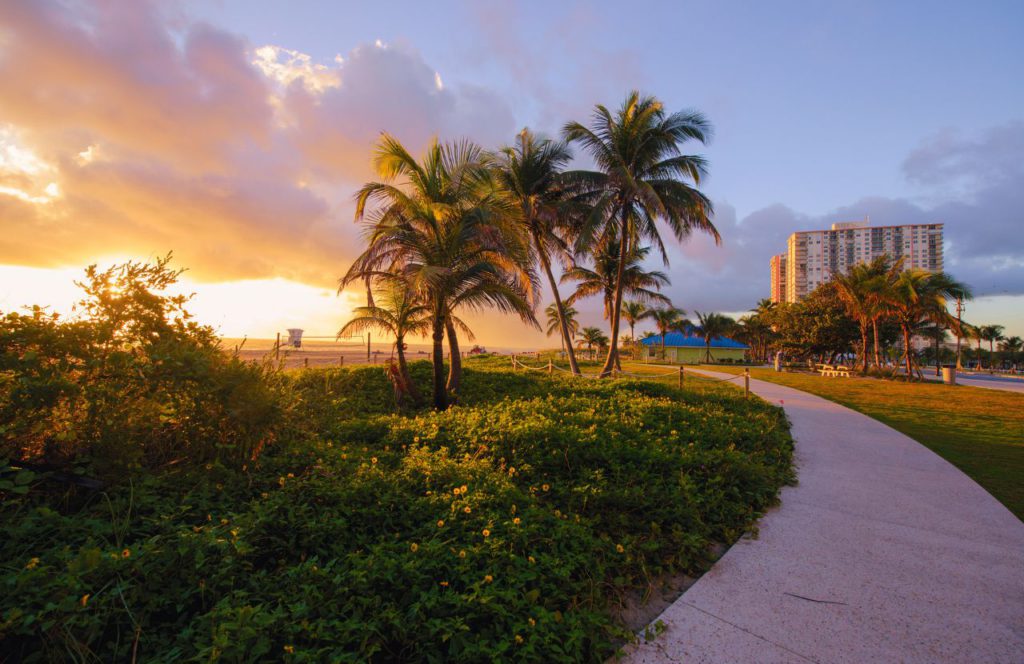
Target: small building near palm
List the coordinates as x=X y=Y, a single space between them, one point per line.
x=691 y=349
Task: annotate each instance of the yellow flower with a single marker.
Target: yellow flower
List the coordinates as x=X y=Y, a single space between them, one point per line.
x=464 y=488
x=467 y=509
x=415 y=439
x=291 y=475
x=440 y=523
x=531 y=559
x=514 y=509
x=289 y=649
x=456 y=491
x=519 y=639
x=32 y=562
x=533 y=623
x=280 y=481
x=330 y=444
x=373 y=459
x=414 y=547
x=84 y=600
x=444 y=584
x=488 y=578
x=487 y=533
x=620 y=548
x=223 y=522
x=209 y=466
x=558 y=513
x=264 y=495
x=126 y=553
x=545 y=487
x=462 y=554
x=516 y=521
x=512 y=470
x=234 y=532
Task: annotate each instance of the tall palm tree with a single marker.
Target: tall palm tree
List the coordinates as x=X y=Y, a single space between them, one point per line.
x=440 y=224
x=977 y=333
x=530 y=174
x=992 y=334
x=755 y=331
x=1011 y=346
x=592 y=336
x=397 y=312
x=918 y=295
x=643 y=177
x=860 y=289
x=634 y=312
x=667 y=319
x=637 y=282
x=556 y=317
x=711 y=326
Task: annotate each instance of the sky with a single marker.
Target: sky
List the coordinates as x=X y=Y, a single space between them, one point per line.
x=235 y=134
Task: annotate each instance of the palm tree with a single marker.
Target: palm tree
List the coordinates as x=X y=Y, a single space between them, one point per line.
x=530 y=174
x=667 y=320
x=711 y=326
x=636 y=281
x=1011 y=346
x=977 y=333
x=440 y=224
x=992 y=334
x=592 y=336
x=556 y=317
x=396 y=312
x=859 y=290
x=918 y=295
x=755 y=331
x=643 y=177
x=634 y=312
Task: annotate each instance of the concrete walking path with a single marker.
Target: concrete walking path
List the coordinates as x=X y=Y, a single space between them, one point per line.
x=884 y=552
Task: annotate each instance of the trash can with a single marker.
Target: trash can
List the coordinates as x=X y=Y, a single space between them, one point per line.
x=949 y=374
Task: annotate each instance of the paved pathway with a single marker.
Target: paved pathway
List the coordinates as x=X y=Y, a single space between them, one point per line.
x=884 y=552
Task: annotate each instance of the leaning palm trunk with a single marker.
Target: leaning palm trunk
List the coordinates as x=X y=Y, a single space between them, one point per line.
x=403 y=369
x=454 y=359
x=613 y=354
x=906 y=350
x=440 y=394
x=563 y=326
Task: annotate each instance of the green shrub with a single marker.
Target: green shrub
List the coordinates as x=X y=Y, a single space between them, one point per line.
x=505 y=528
x=132 y=382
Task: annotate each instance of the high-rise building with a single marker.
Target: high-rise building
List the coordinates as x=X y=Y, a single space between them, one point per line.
x=812 y=257
x=778 y=267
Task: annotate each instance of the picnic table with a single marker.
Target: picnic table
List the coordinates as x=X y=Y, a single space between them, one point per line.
x=834 y=371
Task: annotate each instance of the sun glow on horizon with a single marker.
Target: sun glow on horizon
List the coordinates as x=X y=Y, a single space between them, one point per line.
x=255 y=308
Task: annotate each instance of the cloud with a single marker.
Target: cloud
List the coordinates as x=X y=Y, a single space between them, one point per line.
x=974 y=185
x=128 y=129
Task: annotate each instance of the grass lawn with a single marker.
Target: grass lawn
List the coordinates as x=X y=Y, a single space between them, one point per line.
x=979 y=431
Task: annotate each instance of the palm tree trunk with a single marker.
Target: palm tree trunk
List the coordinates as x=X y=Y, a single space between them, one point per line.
x=991 y=354
x=906 y=349
x=403 y=369
x=562 y=324
x=878 y=361
x=455 y=361
x=979 y=353
x=937 y=371
x=440 y=394
x=864 y=346
x=613 y=351
x=632 y=335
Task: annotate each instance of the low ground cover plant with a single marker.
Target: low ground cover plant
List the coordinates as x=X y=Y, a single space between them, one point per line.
x=508 y=527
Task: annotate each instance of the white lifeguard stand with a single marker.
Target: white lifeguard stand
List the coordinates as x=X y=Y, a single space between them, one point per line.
x=295 y=337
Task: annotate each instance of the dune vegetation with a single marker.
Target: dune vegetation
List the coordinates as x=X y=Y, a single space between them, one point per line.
x=147 y=518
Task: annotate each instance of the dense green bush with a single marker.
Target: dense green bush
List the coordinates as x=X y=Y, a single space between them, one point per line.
x=130 y=382
x=506 y=528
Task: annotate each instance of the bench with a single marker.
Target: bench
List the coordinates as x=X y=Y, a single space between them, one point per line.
x=834 y=371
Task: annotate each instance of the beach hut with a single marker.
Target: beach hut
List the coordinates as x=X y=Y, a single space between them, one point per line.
x=691 y=349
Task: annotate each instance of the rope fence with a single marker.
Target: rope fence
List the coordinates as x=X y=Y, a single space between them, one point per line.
x=551 y=368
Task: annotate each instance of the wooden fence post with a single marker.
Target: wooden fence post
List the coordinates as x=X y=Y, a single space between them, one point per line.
x=305 y=362
x=341 y=361
x=277 y=348
x=746 y=382
x=680 y=376
x=550 y=366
